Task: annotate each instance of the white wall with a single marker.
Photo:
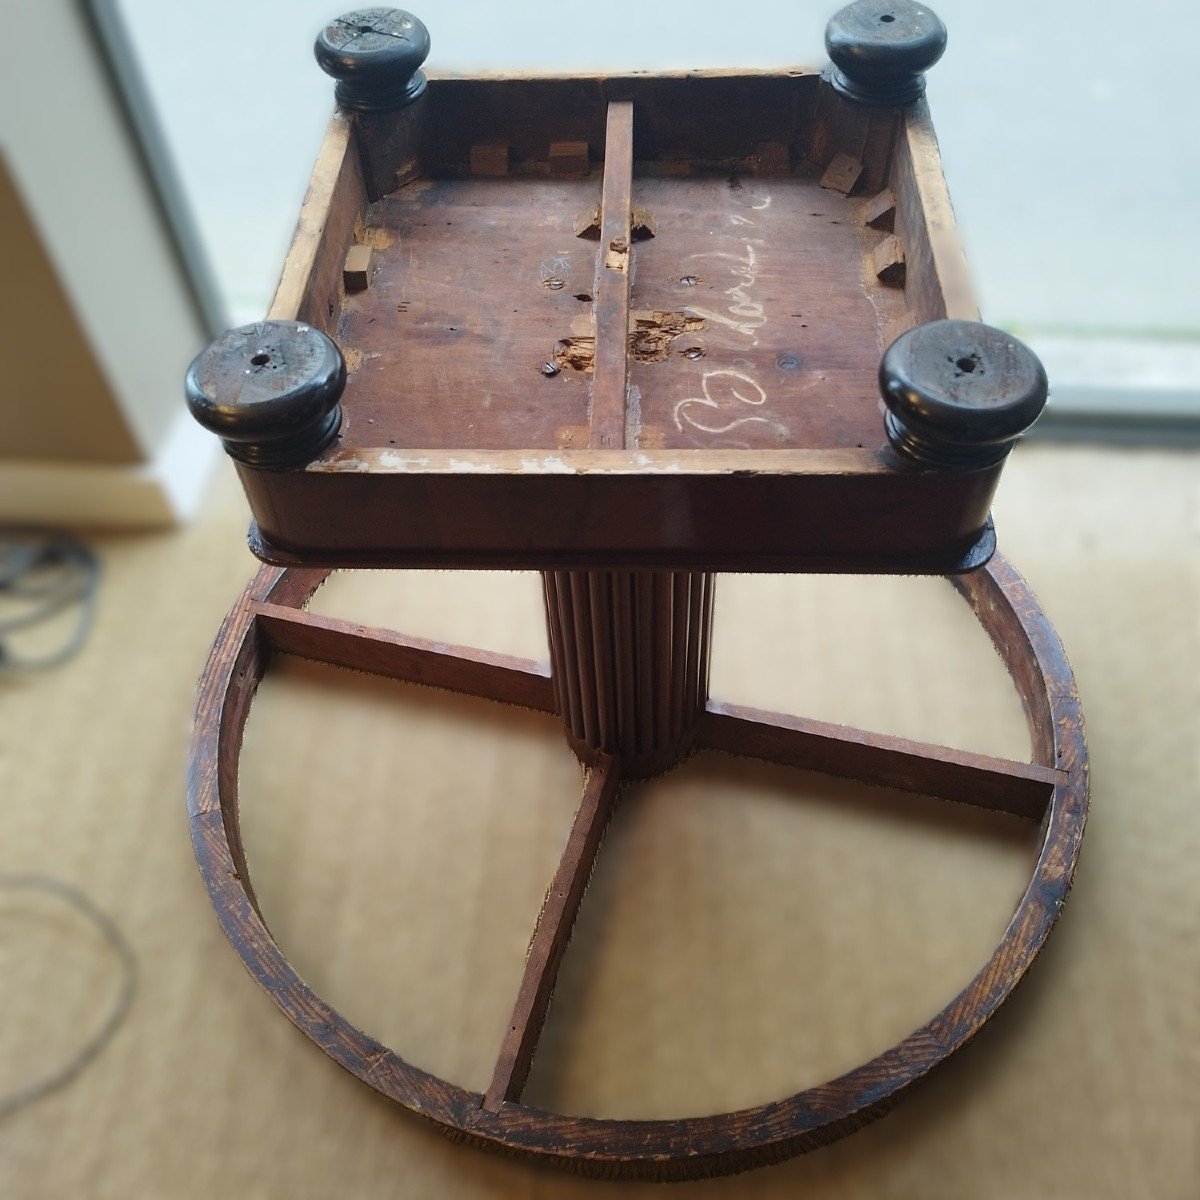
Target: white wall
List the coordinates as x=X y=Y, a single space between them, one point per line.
x=79 y=173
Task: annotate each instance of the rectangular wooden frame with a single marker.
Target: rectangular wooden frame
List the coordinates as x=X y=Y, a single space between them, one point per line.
x=839 y=509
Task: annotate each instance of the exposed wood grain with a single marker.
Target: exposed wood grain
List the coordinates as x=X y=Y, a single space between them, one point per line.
x=569 y=160
x=490 y=158
x=1023 y=789
x=553 y=932
x=879 y=211
x=474 y=284
x=663 y=1149
x=356 y=270
x=309 y=287
x=415 y=660
x=788 y=352
x=887 y=261
x=938 y=284
x=627 y=649
x=611 y=378
x=842 y=174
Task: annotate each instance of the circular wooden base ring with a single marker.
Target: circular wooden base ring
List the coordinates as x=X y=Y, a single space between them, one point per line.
x=659 y=1149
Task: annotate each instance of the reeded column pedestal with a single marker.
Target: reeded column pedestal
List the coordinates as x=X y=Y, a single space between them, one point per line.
x=629 y=652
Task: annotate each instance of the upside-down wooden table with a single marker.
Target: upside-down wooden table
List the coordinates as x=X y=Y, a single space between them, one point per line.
x=627 y=332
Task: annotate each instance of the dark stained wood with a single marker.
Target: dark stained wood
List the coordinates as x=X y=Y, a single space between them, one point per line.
x=693 y=510
x=477 y=338
x=391 y=146
x=712 y=120
x=1023 y=789
x=611 y=374
x=668 y=1149
x=397 y=656
x=627 y=650
x=474 y=286
x=727 y=385
x=790 y=338
x=553 y=932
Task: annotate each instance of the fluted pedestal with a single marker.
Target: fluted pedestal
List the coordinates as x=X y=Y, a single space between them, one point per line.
x=629 y=652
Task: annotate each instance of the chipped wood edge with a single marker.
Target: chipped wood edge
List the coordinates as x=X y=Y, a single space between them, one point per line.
x=399 y=461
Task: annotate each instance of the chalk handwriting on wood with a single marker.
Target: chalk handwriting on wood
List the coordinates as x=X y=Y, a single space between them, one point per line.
x=720 y=410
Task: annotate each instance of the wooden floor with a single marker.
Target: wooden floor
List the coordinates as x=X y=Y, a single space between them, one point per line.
x=405 y=889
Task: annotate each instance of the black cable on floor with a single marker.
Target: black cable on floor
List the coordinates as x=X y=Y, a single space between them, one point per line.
x=104 y=924
x=43 y=572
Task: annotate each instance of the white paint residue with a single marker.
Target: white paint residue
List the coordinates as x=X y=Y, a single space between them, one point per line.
x=394 y=460
x=551 y=465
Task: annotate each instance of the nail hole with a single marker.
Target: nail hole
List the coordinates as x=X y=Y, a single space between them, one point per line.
x=583 y=297
x=260 y=360
x=966 y=363
x=887 y=18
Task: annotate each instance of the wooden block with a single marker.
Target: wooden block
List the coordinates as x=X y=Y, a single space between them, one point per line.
x=587 y=224
x=888 y=261
x=842 y=174
x=642 y=223
x=356 y=273
x=490 y=158
x=879 y=212
x=569 y=160
x=772 y=158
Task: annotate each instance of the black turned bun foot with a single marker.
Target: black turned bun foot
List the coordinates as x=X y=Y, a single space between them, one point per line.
x=270 y=391
x=880 y=50
x=959 y=393
x=375 y=54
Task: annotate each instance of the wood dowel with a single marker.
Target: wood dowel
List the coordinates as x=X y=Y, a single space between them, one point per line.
x=1023 y=789
x=553 y=932
x=611 y=368
x=396 y=656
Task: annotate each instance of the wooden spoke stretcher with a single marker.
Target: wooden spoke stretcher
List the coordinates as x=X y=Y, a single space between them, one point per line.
x=628 y=332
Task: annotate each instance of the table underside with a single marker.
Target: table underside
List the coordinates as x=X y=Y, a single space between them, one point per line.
x=753 y=321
